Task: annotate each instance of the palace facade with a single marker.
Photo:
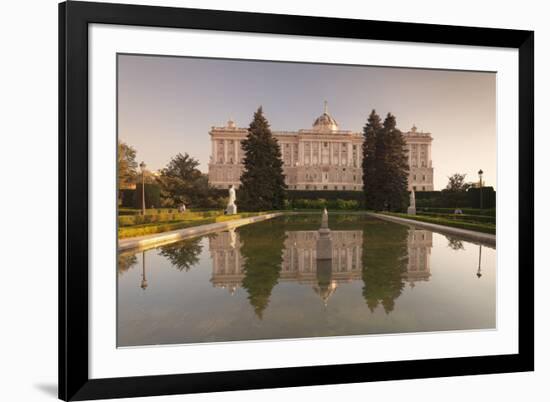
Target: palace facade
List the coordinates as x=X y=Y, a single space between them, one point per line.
x=320 y=158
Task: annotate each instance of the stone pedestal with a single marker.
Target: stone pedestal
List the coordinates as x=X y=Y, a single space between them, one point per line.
x=231 y=209
x=324 y=242
x=411 y=211
x=324 y=245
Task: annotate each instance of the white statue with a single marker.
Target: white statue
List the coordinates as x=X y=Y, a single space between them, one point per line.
x=231 y=207
x=412 y=204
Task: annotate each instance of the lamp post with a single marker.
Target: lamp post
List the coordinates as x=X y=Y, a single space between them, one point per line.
x=480 y=173
x=142 y=167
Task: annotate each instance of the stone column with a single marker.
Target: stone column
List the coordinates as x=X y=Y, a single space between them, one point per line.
x=350 y=154
x=225 y=142
x=311 y=153
x=214 y=150
x=236 y=152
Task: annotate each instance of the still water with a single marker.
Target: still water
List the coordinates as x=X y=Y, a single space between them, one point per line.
x=264 y=281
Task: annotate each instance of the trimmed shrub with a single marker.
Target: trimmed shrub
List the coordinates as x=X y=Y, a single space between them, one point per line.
x=322 y=203
x=152 y=195
x=162 y=217
x=489 y=197
x=126 y=198
x=467 y=211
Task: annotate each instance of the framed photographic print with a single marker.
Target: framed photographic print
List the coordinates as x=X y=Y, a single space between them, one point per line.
x=258 y=200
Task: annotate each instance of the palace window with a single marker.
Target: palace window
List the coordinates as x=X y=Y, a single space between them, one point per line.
x=423 y=177
x=325 y=187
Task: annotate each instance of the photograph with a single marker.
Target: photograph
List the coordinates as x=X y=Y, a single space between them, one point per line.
x=267 y=200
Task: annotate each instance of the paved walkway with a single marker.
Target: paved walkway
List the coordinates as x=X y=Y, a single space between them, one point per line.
x=158 y=239
x=484 y=238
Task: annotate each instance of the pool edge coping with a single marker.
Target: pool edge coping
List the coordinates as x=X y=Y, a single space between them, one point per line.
x=150 y=241
x=485 y=238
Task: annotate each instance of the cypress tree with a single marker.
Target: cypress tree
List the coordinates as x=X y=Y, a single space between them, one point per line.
x=385 y=166
x=395 y=166
x=371 y=131
x=262 y=182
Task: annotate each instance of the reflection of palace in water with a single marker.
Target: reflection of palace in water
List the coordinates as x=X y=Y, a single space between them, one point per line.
x=301 y=264
x=419 y=245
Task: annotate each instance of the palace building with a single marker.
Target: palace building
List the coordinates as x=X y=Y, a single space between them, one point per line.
x=319 y=158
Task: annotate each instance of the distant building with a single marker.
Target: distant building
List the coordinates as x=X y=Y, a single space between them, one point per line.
x=320 y=158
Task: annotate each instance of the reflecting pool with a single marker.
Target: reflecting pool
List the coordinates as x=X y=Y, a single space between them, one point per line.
x=284 y=278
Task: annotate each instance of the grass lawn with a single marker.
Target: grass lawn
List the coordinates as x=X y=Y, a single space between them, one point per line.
x=455 y=222
x=152 y=224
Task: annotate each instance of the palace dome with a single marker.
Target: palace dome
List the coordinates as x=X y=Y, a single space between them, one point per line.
x=325 y=122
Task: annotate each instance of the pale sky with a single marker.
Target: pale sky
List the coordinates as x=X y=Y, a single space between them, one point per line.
x=167 y=105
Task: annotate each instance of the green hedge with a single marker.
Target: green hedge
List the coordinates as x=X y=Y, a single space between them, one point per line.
x=468 y=211
x=130 y=198
x=321 y=203
x=455 y=199
x=460 y=217
x=160 y=227
x=132 y=220
x=442 y=199
x=127 y=198
x=152 y=195
x=326 y=195
x=489 y=197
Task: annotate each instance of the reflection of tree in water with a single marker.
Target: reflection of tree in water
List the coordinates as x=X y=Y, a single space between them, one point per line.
x=125 y=262
x=263 y=256
x=183 y=255
x=455 y=244
x=384 y=261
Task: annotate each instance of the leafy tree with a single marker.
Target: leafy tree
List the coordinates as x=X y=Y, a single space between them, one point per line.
x=125 y=262
x=455 y=244
x=181 y=182
x=127 y=165
x=183 y=255
x=262 y=182
x=457 y=183
x=385 y=166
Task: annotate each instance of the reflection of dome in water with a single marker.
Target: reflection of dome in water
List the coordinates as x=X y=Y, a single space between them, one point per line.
x=325 y=122
x=325 y=290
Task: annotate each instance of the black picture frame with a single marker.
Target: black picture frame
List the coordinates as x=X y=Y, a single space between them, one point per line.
x=74 y=18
